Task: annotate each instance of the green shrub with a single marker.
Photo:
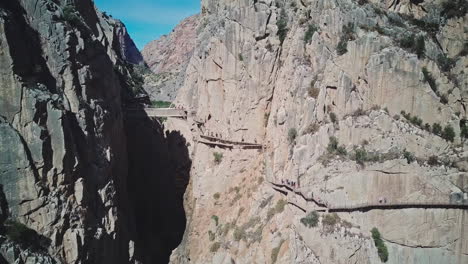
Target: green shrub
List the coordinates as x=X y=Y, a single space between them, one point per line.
x=216 y=196
x=413 y=44
x=225 y=229
x=407 y=41
x=332 y=144
x=433 y=161
x=348 y=31
x=454 y=8
x=341 y=150
x=70 y=15
x=218 y=157
x=239 y=234
x=396 y=20
x=241 y=58
x=242 y=233
x=464 y=51
x=377 y=10
x=162 y=119
x=216 y=219
x=215 y=246
x=380 y=245
x=311 y=220
x=436 y=129
x=445 y=63
x=292 y=134
x=448 y=133
x=275 y=252
x=21 y=234
x=333 y=118
x=359 y=112
x=311 y=29
x=443 y=99
x=161 y=104
x=347 y=35
x=375 y=108
x=342 y=46
x=311 y=129
x=405 y=115
x=331 y=220
x=282 y=25
x=211 y=235
x=360 y=156
x=408 y=156
x=420 y=47
x=279 y=208
x=363 y=2
x=426 y=25
x=271 y=212
x=416 y=121
x=463 y=128
x=427 y=127
x=313 y=92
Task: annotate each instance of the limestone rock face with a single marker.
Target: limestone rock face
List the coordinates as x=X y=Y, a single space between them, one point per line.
x=168 y=58
x=322 y=85
x=128 y=50
x=63 y=158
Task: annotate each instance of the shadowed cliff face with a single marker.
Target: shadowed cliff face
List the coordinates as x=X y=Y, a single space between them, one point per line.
x=159 y=166
x=65 y=170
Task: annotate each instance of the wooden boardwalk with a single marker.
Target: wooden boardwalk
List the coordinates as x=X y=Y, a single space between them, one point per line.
x=224 y=143
x=214 y=143
x=319 y=205
x=398 y=205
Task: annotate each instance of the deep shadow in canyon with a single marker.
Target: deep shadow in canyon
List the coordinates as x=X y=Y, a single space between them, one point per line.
x=159 y=171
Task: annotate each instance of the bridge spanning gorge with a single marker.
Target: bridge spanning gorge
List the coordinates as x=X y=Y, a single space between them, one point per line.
x=157 y=112
x=319 y=205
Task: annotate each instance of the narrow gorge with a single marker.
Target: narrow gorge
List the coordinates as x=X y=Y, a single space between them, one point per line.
x=286 y=131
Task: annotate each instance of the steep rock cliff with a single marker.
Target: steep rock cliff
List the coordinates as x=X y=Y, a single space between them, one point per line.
x=65 y=76
x=168 y=57
x=322 y=85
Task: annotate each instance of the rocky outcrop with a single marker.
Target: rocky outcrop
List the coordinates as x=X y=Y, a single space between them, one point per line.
x=167 y=58
x=322 y=85
x=128 y=50
x=65 y=75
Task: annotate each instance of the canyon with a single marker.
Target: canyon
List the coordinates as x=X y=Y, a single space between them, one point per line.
x=300 y=131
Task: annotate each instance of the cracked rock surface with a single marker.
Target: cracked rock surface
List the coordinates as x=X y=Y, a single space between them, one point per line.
x=246 y=84
x=64 y=79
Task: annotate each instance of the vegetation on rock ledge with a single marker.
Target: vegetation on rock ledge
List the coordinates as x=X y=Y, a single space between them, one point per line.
x=379 y=244
x=311 y=220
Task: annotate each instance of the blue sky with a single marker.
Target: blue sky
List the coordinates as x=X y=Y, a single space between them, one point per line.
x=147 y=20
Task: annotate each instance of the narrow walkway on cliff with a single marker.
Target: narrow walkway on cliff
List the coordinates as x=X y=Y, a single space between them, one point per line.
x=210 y=140
x=225 y=143
x=320 y=205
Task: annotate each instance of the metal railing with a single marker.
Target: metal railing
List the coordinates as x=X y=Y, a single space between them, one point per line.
x=377 y=205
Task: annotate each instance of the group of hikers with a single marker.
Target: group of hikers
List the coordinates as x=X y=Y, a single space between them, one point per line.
x=292 y=184
x=219 y=135
x=382 y=200
x=213 y=134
